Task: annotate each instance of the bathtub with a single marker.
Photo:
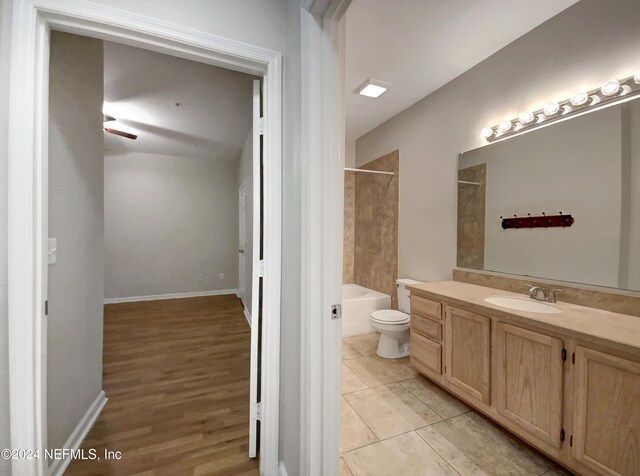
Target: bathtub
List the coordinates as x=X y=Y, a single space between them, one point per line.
x=357 y=305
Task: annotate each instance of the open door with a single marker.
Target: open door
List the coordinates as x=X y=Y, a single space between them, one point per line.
x=255 y=393
x=242 y=241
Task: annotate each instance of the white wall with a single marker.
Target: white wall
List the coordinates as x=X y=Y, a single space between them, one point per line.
x=245 y=176
x=559 y=168
x=5 y=44
x=76 y=286
x=290 y=332
x=171 y=224
x=579 y=48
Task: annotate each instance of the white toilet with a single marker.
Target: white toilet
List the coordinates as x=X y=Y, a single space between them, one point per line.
x=393 y=325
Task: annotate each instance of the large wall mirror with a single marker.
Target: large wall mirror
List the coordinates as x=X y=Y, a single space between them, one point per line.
x=587 y=167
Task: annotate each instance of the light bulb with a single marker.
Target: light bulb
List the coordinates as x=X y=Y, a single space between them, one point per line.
x=551 y=109
x=504 y=126
x=636 y=77
x=610 y=88
x=579 y=99
x=526 y=118
x=486 y=132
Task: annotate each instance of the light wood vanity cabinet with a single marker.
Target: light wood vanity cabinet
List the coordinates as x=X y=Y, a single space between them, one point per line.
x=607 y=412
x=575 y=401
x=468 y=353
x=528 y=381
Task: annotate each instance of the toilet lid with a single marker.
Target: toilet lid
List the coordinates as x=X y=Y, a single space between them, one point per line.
x=390 y=316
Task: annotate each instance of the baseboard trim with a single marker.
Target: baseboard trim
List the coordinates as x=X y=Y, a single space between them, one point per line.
x=158 y=297
x=282 y=471
x=77 y=437
x=247 y=316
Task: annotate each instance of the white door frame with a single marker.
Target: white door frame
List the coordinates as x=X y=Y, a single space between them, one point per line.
x=28 y=191
x=322 y=223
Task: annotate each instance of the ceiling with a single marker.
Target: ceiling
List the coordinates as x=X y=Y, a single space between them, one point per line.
x=420 y=45
x=176 y=106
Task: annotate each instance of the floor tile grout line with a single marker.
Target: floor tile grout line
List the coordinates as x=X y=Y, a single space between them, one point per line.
x=399 y=434
x=433 y=409
x=439 y=454
x=365 y=423
x=403 y=433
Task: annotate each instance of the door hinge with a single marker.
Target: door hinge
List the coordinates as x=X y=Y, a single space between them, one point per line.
x=564 y=355
x=259 y=411
x=46 y=307
x=336 y=311
x=261 y=268
x=573 y=358
x=571 y=441
x=562 y=435
x=261 y=125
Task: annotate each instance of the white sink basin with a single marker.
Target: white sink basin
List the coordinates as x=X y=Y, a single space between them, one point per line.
x=528 y=305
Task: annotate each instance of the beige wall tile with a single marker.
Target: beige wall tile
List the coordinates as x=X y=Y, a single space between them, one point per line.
x=376 y=226
x=349 y=226
x=471 y=217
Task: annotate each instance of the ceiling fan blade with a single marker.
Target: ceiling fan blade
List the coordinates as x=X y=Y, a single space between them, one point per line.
x=107 y=118
x=121 y=134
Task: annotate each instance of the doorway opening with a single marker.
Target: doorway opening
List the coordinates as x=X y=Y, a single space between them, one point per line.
x=28 y=230
x=177 y=348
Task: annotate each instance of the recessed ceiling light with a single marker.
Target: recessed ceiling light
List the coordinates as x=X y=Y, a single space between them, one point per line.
x=372 y=88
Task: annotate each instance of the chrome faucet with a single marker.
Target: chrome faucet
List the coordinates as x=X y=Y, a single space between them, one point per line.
x=551 y=297
x=536 y=292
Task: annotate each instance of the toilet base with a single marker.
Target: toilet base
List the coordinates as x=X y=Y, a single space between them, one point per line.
x=393 y=345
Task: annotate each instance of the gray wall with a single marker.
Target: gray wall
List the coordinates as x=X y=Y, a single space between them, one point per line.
x=245 y=175
x=581 y=47
x=171 y=224
x=558 y=168
x=633 y=214
x=76 y=282
x=273 y=24
x=5 y=45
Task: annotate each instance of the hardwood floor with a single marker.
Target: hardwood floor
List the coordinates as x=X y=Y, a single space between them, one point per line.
x=176 y=373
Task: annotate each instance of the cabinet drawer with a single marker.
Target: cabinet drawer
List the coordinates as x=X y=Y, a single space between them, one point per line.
x=426 y=355
x=426 y=307
x=426 y=327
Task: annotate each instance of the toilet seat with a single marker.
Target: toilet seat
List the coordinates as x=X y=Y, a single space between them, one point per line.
x=390 y=317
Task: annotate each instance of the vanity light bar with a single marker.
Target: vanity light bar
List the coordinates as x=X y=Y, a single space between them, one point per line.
x=611 y=92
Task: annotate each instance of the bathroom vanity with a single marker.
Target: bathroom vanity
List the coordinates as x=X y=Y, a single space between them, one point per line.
x=566 y=382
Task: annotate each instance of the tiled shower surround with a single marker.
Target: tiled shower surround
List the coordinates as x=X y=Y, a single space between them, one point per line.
x=375 y=199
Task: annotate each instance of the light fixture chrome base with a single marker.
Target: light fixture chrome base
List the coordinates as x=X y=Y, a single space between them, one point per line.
x=629 y=88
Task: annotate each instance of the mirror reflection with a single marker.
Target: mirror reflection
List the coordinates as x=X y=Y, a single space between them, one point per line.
x=587 y=167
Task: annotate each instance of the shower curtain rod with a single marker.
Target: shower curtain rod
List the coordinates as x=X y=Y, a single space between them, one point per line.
x=368 y=171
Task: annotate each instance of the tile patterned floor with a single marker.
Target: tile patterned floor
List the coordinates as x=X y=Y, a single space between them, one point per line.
x=396 y=422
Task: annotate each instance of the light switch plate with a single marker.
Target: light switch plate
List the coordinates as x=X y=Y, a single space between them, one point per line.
x=52 y=251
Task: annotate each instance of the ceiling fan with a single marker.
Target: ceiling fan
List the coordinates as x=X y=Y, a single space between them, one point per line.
x=108 y=118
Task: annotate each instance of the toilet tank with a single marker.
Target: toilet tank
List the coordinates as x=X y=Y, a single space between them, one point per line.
x=404 y=304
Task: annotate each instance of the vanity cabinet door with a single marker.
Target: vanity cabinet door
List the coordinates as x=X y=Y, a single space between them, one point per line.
x=528 y=381
x=468 y=353
x=607 y=418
